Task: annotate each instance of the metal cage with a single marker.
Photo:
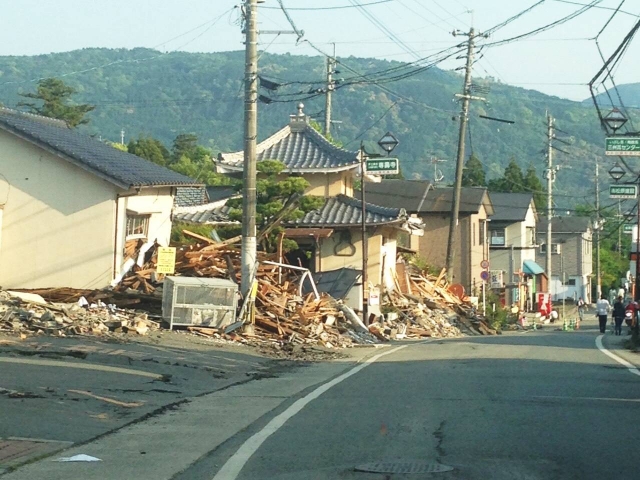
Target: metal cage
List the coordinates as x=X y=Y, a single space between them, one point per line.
x=207 y=302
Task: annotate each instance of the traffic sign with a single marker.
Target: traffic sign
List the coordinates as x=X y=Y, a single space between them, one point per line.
x=628 y=228
x=484 y=264
x=382 y=166
x=624 y=146
x=484 y=275
x=623 y=191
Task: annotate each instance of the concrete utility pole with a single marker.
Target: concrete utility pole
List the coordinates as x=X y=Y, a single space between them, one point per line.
x=550 y=179
x=248 y=253
x=122 y=137
x=464 y=116
x=331 y=65
x=597 y=228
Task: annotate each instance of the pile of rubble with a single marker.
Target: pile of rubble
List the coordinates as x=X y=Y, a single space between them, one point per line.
x=28 y=314
x=420 y=306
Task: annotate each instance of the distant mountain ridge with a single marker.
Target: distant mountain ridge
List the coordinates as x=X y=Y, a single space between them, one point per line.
x=144 y=91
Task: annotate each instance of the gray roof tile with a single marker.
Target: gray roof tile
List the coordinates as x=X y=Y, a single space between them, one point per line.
x=122 y=168
x=510 y=207
x=213 y=215
x=346 y=211
x=304 y=151
x=565 y=225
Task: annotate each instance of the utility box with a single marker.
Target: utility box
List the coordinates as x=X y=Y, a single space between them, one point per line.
x=193 y=301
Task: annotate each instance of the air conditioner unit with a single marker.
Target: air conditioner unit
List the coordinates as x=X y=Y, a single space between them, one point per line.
x=191 y=301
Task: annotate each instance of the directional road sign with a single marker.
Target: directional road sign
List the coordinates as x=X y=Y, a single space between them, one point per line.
x=382 y=166
x=624 y=146
x=623 y=191
x=627 y=228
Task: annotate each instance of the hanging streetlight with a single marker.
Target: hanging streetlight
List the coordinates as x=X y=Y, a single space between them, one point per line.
x=615 y=119
x=617 y=172
x=388 y=142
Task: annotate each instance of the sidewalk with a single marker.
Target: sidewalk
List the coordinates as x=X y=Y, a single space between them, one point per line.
x=618 y=345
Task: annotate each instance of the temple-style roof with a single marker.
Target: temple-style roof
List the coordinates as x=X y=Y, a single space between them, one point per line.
x=300 y=147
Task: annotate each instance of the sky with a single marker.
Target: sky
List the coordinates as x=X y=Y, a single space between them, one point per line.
x=560 y=61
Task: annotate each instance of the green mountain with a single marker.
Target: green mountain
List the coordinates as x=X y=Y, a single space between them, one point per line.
x=144 y=91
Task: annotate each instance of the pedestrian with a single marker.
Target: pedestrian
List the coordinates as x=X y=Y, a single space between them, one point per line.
x=618 y=315
x=581 y=308
x=602 y=310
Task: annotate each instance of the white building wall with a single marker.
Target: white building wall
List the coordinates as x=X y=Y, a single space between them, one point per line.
x=58 y=220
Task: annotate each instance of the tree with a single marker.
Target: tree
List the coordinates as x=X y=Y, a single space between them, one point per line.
x=473 y=173
x=511 y=182
x=185 y=144
x=277 y=200
x=149 y=148
x=533 y=184
x=55 y=95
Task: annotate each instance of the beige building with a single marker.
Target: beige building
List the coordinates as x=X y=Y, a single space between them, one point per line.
x=433 y=206
x=70 y=205
x=512 y=249
x=330 y=238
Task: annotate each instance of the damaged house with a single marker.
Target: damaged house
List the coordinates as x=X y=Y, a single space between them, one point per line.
x=73 y=210
x=330 y=238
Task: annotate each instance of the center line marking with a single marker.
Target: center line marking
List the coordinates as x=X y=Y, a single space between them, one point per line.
x=632 y=368
x=231 y=469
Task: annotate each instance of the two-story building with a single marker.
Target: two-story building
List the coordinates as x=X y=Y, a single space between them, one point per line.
x=433 y=206
x=512 y=249
x=329 y=238
x=571 y=256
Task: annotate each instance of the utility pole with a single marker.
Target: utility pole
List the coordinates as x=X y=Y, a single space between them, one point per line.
x=365 y=240
x=620 y=227
x=248 y=253
x=122 y=136
x=550 y=179
x=464 y=116
x=436 y=178
x=597 y=225
x=331 y=65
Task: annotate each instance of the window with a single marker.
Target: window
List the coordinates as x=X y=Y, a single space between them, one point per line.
x=137 y=226
x=555 y=248
x=473 y=235
x=531 y=236
x=497 y=238
x=481 y=235
x=570 y=282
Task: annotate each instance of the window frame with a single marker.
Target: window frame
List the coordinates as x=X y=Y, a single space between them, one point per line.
x=131 y=225
x=504 y=237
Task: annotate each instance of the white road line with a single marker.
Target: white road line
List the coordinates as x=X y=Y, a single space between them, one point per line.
x=632 y=368
x=231 y=469
x=81 y=366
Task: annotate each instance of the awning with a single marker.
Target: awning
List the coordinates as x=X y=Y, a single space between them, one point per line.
x=531 y=268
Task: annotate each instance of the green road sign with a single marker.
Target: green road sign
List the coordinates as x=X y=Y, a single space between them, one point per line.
x=382 y=166
x=627 y=228
x=623 y=191
x=626 y=146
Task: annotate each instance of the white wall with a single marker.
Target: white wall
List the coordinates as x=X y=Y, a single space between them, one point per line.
x=57 y=228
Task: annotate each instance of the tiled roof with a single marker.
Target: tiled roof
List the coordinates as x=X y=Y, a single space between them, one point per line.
x=206 y=214
x=301 y=150
x=346 y=211
x=510 y=207
x=190 y=196
x=565 y=225
x=118 y=167
x=220 y=192
x=417 y=196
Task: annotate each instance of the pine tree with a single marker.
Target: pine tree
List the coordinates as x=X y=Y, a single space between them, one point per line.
x=534 y=185
x=54 y=95
x=473 y=173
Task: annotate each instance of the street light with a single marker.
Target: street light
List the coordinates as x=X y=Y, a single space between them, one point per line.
x=388 y=142
x=615 y=119
x=617 y=172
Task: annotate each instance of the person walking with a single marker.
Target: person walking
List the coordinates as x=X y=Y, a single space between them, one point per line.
x=602 y=310
x=618 y=315
x=581 y=308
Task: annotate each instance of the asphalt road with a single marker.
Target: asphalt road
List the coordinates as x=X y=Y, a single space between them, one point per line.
x=539 y=405
x=536 y=405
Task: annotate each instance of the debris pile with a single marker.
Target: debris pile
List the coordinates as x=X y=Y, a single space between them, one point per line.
x=27 y=314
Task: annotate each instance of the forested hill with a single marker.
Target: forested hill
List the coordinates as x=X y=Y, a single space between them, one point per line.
x=162 y=95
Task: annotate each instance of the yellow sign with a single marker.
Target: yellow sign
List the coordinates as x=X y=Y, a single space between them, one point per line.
x=166 y=260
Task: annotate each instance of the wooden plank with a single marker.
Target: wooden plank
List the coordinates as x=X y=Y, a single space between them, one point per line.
x=201 y=238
